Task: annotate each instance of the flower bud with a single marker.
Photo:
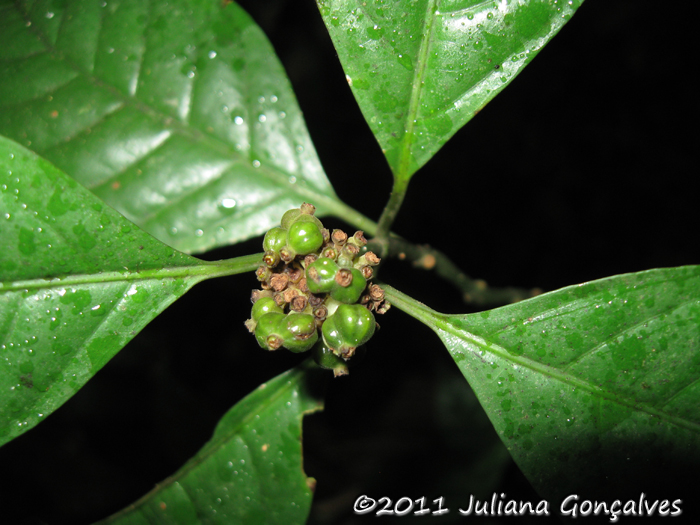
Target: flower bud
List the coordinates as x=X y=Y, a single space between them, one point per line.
x=271 y=258
x=263 y=273
x=329 y=252
x=287 y=254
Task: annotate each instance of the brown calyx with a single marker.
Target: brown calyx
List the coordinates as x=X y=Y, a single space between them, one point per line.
x=372 y=258
x=343 y=277
x=279 y=281
x=298 y=303
x=339 y=237
x=366 y=271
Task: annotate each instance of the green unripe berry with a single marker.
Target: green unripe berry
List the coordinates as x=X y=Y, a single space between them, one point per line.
x=288 y=217
x=320 y=275
x=326 y=358
x=269 y=331
x=350 y=326
x=308 y=218
x=300 y=332
x=349 y=285
x=275 y=239
x=263 y=306
x=304 y=237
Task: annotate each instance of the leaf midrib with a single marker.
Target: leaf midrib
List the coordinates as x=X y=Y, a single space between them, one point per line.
x=557 y=375
x=416 y=89
x=440 y=324
x=202 y=270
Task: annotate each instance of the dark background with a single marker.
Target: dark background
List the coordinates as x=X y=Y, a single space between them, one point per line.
x=584 y=167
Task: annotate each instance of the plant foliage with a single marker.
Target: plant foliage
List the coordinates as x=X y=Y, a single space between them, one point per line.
x=133 y=133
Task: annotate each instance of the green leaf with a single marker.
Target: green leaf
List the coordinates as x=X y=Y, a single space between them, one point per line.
x=421 y=69
x=601 y=379
x=77 y=282
x=251 y=471
x=177 y=114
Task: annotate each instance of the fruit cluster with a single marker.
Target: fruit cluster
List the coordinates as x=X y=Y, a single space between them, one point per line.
x=312 y=281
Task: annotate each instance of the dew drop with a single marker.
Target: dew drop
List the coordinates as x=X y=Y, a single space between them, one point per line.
x=199 y=233
x=238 y=121
x=212 y=54
x=228 y=203
x=256 y=163
x=262 y=118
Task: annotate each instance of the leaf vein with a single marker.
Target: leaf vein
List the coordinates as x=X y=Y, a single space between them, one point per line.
x=557 y=375
x=622 y=331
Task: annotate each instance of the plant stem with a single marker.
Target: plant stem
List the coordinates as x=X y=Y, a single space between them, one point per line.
x=389 y=214
x=236 y=265
x=474 y=291
x=407 y=304
x=342 y=211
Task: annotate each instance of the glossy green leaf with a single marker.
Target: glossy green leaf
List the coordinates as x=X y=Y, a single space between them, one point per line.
x=77 y=282
x=421 y=69
x=594 y=385
x=177 y=114
x=251 y=471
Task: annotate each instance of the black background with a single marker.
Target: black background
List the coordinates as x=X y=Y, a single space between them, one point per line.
x=584 y=167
